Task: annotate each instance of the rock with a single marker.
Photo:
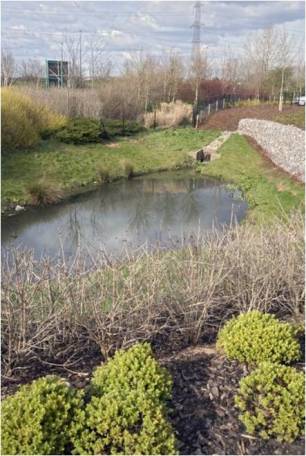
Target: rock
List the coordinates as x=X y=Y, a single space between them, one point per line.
x=19 y=208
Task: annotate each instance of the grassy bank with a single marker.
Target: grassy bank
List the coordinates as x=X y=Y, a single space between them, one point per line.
x=68 y=167
x=269 y=191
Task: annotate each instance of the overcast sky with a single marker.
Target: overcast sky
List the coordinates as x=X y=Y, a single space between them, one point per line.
x=34 y=28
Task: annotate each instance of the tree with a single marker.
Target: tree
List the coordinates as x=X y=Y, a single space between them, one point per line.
x=172 y=70
x=284 y=60
x=72 y=47
x=8 y=68
x=259 y=58
x=32 y=71
x=99 y=66
x=198 y=71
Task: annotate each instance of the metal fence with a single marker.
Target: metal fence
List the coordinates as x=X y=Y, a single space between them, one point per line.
x=205 y=109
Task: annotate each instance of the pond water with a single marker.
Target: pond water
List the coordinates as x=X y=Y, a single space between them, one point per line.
x=157 y=209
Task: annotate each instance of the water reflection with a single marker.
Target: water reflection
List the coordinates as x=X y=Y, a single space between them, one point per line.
x=143 y=210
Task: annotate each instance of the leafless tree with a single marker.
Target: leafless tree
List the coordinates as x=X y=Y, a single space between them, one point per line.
x=100 y=65
x=72 y=50
x=259 y=58
x=198 y=71
x=284 y=56
x=172 y=71
x=8 y=68
x=31 y=71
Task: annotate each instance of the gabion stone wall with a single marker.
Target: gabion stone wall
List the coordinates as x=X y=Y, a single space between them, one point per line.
x=284 y=144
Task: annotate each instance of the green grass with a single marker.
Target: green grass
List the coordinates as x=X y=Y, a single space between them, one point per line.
x=71 y=167
x=293 y=118
x=268 y=191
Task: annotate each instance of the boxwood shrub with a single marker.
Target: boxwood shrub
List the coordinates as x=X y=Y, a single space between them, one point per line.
x=255 y=337
x=37 y=419
x=126 y=412
x=271 y=400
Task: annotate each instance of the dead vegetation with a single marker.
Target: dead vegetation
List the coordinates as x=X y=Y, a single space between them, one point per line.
x=58 y=314
x=169 y=115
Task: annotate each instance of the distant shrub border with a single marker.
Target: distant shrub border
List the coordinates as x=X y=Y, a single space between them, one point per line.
x=271 y=400
x=123 y=411
x=255 y=337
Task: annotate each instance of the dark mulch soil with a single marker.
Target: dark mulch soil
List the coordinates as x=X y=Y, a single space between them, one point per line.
x=203 y=412
x=229 y=118
x=202 y=409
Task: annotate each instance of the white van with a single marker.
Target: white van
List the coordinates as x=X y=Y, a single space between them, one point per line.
x=301 y=101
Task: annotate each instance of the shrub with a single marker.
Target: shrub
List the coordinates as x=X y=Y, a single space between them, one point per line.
x=271 y=399
x=128 y=169
x=85 y=130
x=37 y=418
x=126 y=412
x=43 y=193
x=80 y=131
x=169 y=115
x=119 y=128
x=24 y=122
x=254 y=337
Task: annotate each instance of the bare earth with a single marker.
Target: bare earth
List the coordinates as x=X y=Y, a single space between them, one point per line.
x=229 y=118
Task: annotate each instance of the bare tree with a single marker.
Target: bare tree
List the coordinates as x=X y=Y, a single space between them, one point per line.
x=8 y=68
x=172 y=71
x=198 y=71
x=32 y=71
x=284 y=60
x=100 y=65
x=73 y=51
x=259 y=58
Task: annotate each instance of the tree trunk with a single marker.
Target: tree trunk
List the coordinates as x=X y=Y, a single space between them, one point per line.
x=281 y=93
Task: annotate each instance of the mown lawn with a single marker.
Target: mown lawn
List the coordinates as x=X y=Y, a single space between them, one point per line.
x=268 y=191
x=71 y=167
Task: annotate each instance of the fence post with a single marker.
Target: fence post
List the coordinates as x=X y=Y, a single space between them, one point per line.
x=217 y=105
x=208 y=111
x=223 y=106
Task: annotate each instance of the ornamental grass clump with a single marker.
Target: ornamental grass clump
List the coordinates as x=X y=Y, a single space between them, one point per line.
x=126 y=412
x=44 y=192
x=271 y=400
x=255 y=337
x=36 y=420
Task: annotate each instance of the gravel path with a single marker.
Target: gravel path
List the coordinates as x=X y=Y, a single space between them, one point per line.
x=284 y=144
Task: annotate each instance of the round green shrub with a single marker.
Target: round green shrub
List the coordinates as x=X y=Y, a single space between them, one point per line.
x=254 y=337
x=271 y=400
x=126 y=413
x=36 y=419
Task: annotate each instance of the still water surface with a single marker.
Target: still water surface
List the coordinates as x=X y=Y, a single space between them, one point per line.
x=156 y=209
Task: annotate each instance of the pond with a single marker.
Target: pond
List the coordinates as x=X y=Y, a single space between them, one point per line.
x=159 y=209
